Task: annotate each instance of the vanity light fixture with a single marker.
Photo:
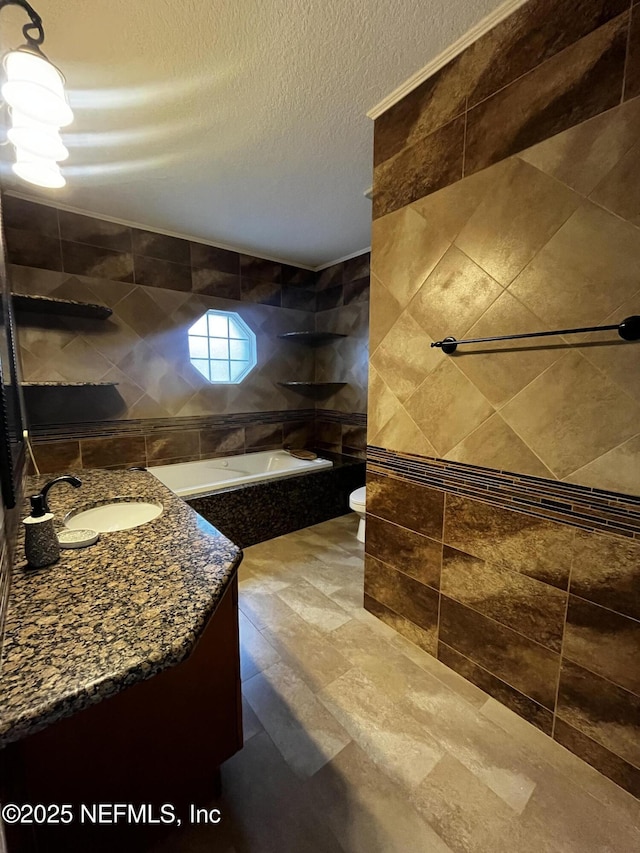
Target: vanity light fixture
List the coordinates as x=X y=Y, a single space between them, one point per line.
x=38 y=108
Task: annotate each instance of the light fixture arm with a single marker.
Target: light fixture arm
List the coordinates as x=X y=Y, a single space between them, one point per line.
x=33 y=41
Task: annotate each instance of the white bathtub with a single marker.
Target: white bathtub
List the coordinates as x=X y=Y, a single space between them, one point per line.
x=192 y=479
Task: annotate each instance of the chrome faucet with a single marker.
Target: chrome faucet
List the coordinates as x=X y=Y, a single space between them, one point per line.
x=67 y=478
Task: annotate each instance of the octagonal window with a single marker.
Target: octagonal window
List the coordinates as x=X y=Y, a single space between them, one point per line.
x=222 y=347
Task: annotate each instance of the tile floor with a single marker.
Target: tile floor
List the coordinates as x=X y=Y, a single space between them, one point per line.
x=356 y=741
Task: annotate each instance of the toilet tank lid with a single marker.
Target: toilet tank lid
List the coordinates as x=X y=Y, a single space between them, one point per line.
x=359 y=496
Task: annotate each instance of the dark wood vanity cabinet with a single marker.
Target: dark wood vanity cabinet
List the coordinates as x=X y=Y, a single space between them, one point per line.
x=158 y=741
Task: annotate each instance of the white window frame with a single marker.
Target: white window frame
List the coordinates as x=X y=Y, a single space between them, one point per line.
x=209 y=360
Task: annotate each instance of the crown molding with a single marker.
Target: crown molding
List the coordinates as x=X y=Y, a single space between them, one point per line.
x=499 y=14
x=341 y=260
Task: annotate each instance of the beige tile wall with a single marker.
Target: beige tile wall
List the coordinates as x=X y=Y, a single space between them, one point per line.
x=546 y=239
x=143 y=347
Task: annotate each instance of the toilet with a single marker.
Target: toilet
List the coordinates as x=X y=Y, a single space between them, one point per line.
x=358 y=502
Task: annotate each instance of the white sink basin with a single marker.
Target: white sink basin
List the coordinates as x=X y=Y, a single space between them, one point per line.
x=120 y=514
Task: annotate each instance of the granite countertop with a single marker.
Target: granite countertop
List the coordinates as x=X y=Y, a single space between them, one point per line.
x=105 y=617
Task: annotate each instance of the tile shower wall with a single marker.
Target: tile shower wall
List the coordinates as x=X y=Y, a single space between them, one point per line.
x=498 y=538
x=546 y=239
x=547 y=67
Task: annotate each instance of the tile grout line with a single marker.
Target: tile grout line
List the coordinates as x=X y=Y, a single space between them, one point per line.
x=635 y=619
x=626 y=55
x=498 y=678
x=602 y=677
x=404 y=574
x=395 y=613
x=562 y=641
x=404 y=527
x=504 y=88
x=438 y=623
x=635 y=766
x=464 y=136
x=502 y=624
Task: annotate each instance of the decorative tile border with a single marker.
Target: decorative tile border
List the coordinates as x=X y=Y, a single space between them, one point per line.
x=61 y=432
x=350 y=418
x=145 y=426
x=578 y=506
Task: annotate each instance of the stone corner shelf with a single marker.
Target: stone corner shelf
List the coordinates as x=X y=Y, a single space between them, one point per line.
x=68 y=384
x=317 y=390
x=311 y=338
x=26 y=303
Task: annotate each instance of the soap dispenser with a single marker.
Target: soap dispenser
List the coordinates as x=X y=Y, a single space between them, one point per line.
x=41 y=544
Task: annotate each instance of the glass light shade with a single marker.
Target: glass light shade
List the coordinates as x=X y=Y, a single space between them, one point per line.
x=38 y=171
x=35 y=87
x=36 y=138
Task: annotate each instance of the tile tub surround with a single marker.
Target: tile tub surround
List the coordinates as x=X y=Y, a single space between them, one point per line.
x=540 y=614
x=473 y=261
x=547 y=67
x=124 y=609
x=143 y=347
x=257 y=512
x=122 y=444
x=341 y=432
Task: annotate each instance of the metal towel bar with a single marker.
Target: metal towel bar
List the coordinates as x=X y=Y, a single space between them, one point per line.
x=629 y=330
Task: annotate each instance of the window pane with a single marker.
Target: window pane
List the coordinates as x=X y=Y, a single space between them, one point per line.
x=219 y=371
x=239 y=350
x=236 y=369
x=219 y=347
x=198 y=347
x=202 y=367
x=235 y=330
x=217 y=325
x=200 y=327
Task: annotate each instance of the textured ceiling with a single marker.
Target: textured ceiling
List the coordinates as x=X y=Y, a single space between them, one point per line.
x=240 y=123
